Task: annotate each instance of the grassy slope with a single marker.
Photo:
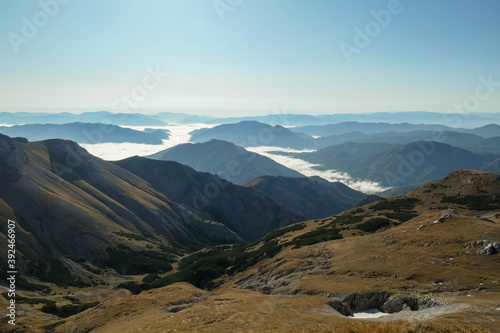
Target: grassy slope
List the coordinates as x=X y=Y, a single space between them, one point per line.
x=401 y=257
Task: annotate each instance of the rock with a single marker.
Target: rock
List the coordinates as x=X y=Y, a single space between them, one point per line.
x=21 y=140
x=443 y=218
x=381 y=300
x=489 y=247
x=370 y=199
x=341 y=307
x=359 y=302
x=488 y=250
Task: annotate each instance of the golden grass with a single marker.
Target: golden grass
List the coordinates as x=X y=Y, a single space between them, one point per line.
x=398 y=327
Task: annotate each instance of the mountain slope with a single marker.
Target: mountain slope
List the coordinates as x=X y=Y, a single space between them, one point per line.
x=311 y=197
x=70 y=205
x=425 y=256
x=405 y=165
x=226 y=160
x=84 y=133
x=239 y=208
x=251 y=134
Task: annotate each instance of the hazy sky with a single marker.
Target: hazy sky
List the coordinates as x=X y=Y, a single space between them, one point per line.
x=233 y=57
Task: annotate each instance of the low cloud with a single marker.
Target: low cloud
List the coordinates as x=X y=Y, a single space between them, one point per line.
x=309 y=169
x=117 y=151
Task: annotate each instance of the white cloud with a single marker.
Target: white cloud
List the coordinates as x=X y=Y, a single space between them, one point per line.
x=117 y=151
x=309 y=169
x=179 y=133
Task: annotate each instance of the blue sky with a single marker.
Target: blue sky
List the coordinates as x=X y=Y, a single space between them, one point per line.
x=263 y=56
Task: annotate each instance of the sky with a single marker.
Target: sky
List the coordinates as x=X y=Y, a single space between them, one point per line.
x=247 y=57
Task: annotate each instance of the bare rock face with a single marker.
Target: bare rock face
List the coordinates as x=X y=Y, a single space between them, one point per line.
x=12 y=158
x=381 y=300
x=486 y=247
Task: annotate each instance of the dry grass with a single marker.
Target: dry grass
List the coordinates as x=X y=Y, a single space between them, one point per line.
x=397 y=327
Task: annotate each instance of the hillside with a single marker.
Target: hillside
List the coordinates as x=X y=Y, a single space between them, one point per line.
x=85 y=133
x=404 y=165
x=72 y=207
x=226 y=160
x=430 y=255
x=366 y=128
x=253 y=133
x=311 y=197
x=240 y=209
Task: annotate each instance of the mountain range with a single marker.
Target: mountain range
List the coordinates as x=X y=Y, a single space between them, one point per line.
x=401 y=165
x=226 y=160
x=103 y=117
x=487 y=131
x=429 y=256
x=86 y=133
x=253 y=133
x=73 y=207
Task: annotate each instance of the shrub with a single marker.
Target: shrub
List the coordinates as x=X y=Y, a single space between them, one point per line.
x=396 y=205
x=474 y=202
x=374 y=224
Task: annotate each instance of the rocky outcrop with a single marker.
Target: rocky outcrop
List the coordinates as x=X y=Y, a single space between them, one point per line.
x=382 y=301
x=370 y=199
x=486 y=247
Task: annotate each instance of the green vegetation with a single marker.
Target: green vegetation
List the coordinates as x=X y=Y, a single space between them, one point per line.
x=21 y=283
x=51 y=269
x=281 y=232
x=316 y=236
x=349 y=219
x=401 y=216
x=474 y=202
x=397 y=205
x=373 y=224
x=126 y=261
x=26 y=300
x=132 y=236
x=133 y=286
x=68 y=309
x=150 y=278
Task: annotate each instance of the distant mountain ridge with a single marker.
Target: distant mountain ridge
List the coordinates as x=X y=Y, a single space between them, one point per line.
x=103 y=117
x=404 y=165
x=72 y=207
x=253 y=133
x=85 y=133
x=225 y=159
